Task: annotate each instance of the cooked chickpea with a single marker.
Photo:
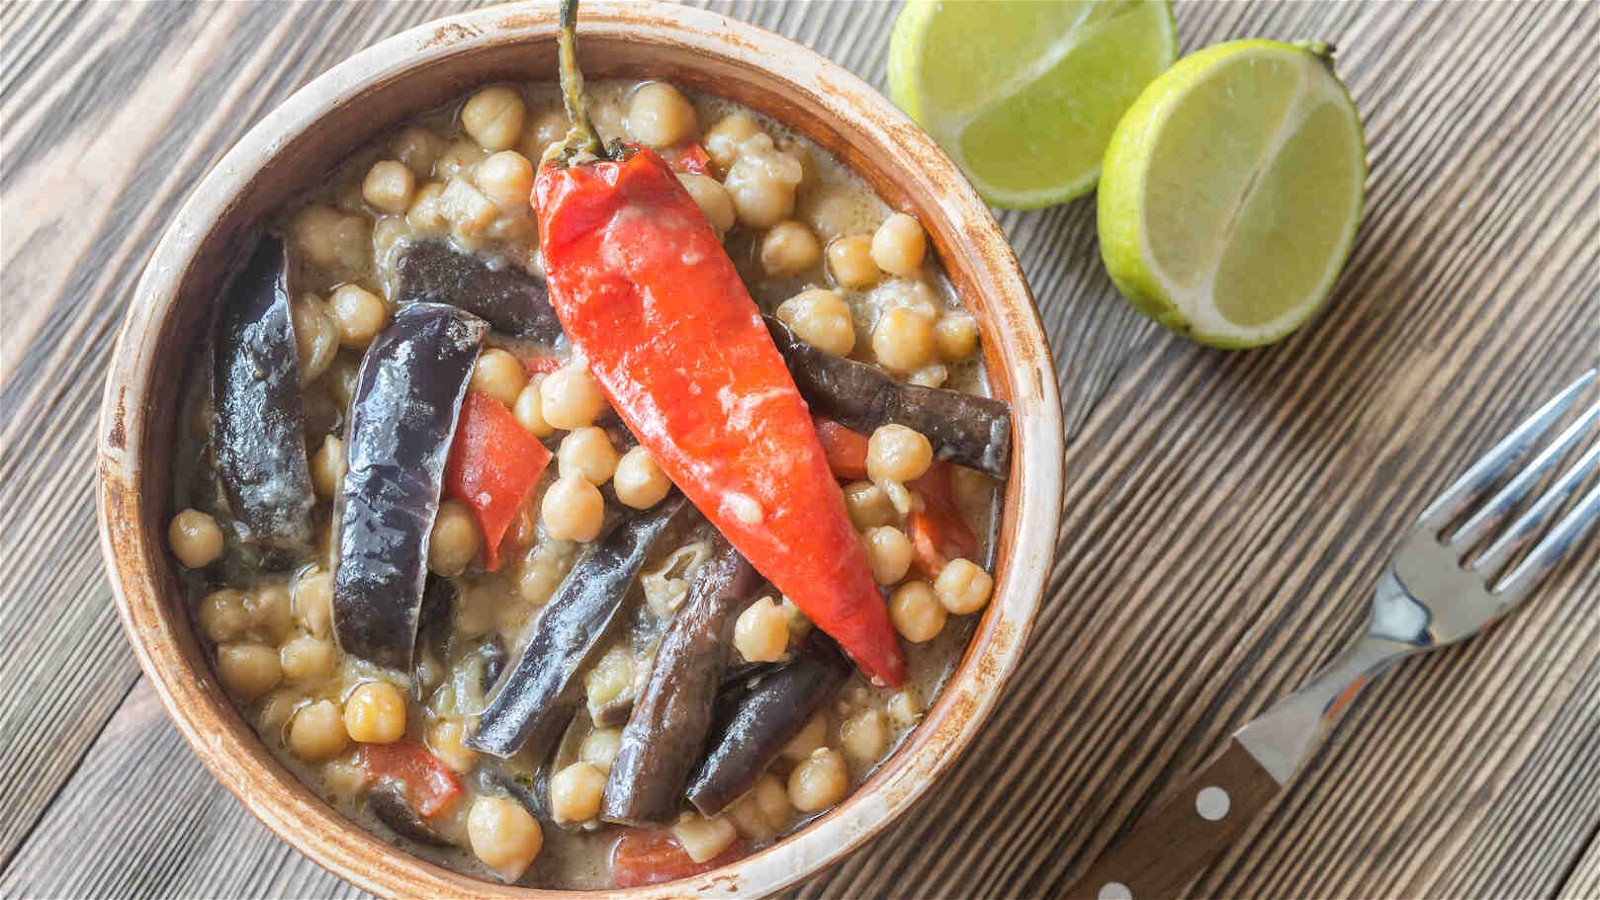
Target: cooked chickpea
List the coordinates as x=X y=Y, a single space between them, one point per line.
x=248 y=670
x=904 y=707
x=375 y=713
x=572 y=509
x=659 y=116
x=889 y=551
x=529 y=410
x=425 y=215
x=327 y=467
x=762 y=182
x=446 y=738
x=850 y=262
x=864 y=736
x=312 y=603
x=493 y=118
x=899 y=245
x=765 y=810
x=317 y=731
x=575 y=792
x=903 y=340
x=821 y=319
x=711 y=197
x=504 y=836
x=271 y=609
x=223 y=616
x=963 y=586
x=388 y=186
x=929 y=376
x=916 y=612
x=761 y=633
x=812 y=737
x=469 y=212
x=455 y=541
x=957 y=336
x=315 y=335
x=507 y=179
x=819 y=781
x=542 y=130
x=276 y=710
x=704 y=838
x=869 y=505
x=789 y=248
x=417 y=147
x=195 y=537
x=898 y=453
x=723 y=140
x=500 y=375
x=307 y=658
x=571 y=399
x=587 y=453
x=358 y=314
x=331 y=238
x=638 y=481
x=600 y=746
x=611 y=676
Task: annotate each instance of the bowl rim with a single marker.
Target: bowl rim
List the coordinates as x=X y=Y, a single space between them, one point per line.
x=134 y=553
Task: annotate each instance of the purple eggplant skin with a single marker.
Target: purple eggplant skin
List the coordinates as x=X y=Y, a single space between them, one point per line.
x=963 y=428
x=673 y=712
x=510 y=299
x=390 y=806
x=583 y=610
x=764 y=720
x=259 y=439
x=402 y=419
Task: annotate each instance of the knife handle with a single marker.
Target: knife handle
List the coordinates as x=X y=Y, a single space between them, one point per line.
x=1184 y=833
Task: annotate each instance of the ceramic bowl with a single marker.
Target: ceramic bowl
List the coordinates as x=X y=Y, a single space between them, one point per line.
x=420 y=69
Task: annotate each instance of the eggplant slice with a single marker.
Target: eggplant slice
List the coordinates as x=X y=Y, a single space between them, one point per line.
x=402 y=419
x=508 y=298
x=765 y=719
x=673 y=713
x=574 y=624
x=259 y=441
x=389 y=804
x=963 y=428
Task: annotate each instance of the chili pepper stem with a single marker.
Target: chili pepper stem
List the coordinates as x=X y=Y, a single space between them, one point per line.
x=581 y=138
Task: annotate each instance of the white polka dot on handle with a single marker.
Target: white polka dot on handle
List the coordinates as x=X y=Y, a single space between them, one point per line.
x=1212 y=803
x=1114 y=890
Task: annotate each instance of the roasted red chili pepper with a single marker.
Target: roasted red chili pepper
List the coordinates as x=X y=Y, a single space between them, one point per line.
x=492 y=466
x=846 y=450
x=430 y=786
x=647 y=294
x=937 y=530
x=650 y=857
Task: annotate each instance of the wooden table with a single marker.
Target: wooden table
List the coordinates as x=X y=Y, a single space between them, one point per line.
x=1226 y=513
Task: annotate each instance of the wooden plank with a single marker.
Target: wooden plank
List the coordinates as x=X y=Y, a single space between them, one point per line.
x=1584 y=882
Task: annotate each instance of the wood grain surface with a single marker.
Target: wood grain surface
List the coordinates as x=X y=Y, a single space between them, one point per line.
x=1226 y=513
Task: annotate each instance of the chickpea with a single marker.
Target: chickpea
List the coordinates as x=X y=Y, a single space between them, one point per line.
x=789 y=249
x=761 y=633
x=317 y=731
x=500 y=375
x=575 y=792
x=572 y=509
x=315 y=336
x=529 y=410
x=223 y=616
x=312 y=603
x=425 y=216
x=903 y=340
x=307 y=658
x=507 y=179
x=819 y=781
x=898 y=453
x=864 y=736
x=493 y=118
x=889 y=551
x=764 y=811
x=375 y=713
x=963 y=587
x=333 y=240
x=916 y=612
x=504 y=836
x=587 y=453
x=821 y=319
x=271 y=608
x=388 y=186
x=659 y=116
x=542 y=130
x=711 y=197
x=904 y=707
x=446 y=738
x=638 y=481
x=868 y=505
x=327 y=467
x=455 y=541
x=571 y=398
x=850 y=262
x=929 y=376
x=358 y=314
x=248 y=670
x=276 y=710
x=611 y=676
x=723 y=140
x=469 y=212
x=899 y=245
x=762 y=182
x=704 y=838
x=417 y=147
x=957 y=336
x=600 y=747
x=811 y=738
x=195 y=537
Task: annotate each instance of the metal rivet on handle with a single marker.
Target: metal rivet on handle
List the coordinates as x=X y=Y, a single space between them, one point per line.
x=1114 y=890
x=1212 y=803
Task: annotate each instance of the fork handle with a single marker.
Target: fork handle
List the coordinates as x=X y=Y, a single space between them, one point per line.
x=1184 y=833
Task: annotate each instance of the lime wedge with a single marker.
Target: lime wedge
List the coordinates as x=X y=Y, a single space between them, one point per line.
x=1232 y=190
x=1024 y=96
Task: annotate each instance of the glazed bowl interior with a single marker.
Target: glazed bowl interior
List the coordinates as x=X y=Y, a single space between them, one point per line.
x=300 y=143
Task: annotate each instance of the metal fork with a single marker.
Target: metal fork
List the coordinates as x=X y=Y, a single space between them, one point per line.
x=1433 y=592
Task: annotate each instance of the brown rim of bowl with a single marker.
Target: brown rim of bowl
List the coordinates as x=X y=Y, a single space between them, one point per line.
x=804 y=90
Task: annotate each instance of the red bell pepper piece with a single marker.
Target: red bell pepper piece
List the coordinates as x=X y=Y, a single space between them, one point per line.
x=646 y=292
x=938 y=531
x=538 y=363
x=429 y=785
x=649 y=857
x=691 y=158
x=492 y=466
x=846 y=450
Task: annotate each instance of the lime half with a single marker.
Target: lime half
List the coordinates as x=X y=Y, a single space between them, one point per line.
x=1024 y=96
x=1232 y=190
